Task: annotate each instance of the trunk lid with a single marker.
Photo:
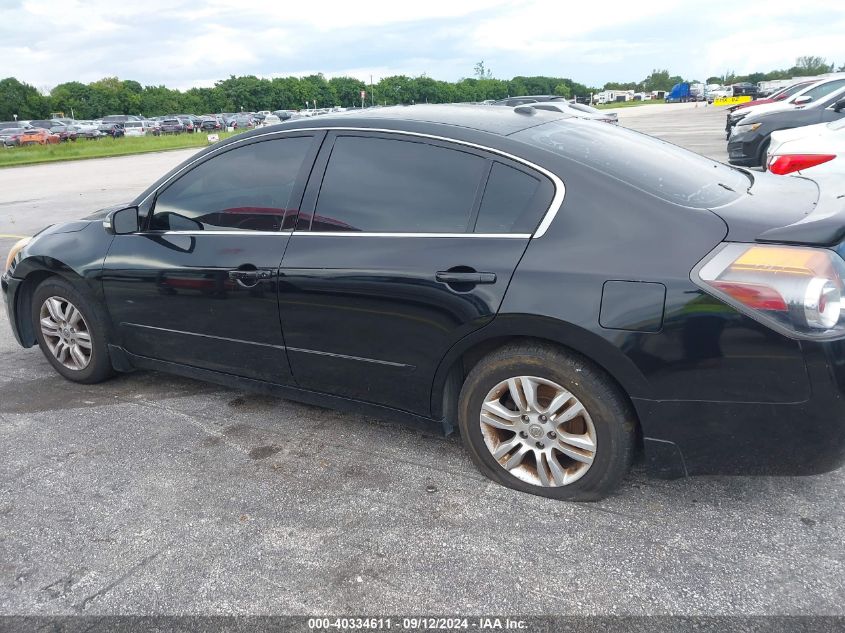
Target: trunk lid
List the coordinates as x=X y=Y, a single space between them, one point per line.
x=788 y=210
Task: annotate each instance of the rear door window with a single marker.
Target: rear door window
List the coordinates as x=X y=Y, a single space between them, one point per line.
x=375 y=184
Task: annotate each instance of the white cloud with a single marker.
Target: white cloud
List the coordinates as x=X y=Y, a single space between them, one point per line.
x=183 y=43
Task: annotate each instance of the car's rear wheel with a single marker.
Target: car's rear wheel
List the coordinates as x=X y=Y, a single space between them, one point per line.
x=71 y=331
x=544 y=421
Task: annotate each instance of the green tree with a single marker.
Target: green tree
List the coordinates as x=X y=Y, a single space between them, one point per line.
x=317 y=90
x=347 y=90
x=658 y=80
x=23 y=100
x=397 y=89
x=158 y=101
x=562 y=90
x=808 y=65
x=72 y=98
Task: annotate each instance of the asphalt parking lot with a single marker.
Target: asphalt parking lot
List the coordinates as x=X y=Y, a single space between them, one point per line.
x=159 y=495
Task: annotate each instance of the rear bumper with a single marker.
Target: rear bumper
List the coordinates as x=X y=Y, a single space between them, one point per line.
x=752 y=438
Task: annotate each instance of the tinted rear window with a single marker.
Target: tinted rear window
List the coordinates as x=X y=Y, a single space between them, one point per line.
x=654 y=166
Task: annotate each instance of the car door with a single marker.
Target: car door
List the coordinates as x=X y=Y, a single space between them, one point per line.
x=404 y=245
x=198 y=285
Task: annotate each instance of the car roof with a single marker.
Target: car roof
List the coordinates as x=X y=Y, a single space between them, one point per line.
x=483 y=118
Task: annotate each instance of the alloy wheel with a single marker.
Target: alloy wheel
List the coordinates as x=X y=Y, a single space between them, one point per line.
x=538 y=431
x=66 y=333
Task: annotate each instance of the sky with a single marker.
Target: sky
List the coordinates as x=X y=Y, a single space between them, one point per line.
x=182 y=44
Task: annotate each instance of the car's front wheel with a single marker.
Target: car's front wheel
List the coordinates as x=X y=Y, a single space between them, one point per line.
x=538 y=419
x=71 y=331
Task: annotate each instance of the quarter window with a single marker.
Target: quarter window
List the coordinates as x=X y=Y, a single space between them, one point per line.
x=247 y=188
x=386 y=185
x=510 y=202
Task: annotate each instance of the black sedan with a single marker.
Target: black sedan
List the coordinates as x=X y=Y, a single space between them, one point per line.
x=749 y=140
x=568 y=295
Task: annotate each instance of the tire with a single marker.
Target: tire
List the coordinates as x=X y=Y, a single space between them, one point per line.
x=91 y=321
x=764 y=150
x=607 y=421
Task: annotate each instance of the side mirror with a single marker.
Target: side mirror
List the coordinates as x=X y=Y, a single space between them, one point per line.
x=839 y=105
x=122 y=221
x=803 y=100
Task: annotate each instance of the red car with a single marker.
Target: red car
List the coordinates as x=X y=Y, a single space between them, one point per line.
x=38 y=136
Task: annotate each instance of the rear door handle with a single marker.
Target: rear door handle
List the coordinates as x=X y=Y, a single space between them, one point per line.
x=460 y=277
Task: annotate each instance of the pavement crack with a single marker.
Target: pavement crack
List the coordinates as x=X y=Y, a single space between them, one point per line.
x=80 y=606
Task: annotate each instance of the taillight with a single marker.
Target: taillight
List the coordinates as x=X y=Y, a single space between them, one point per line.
x=795 y=290
x=789 y=163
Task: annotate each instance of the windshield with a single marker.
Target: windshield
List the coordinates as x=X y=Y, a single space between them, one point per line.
x=654 y=166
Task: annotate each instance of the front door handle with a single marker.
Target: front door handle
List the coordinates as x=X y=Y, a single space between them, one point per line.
x=250 y=275
x=462 y=277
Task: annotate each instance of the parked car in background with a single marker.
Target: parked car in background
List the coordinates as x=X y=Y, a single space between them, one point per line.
x=87 y=129
x=243 y=121
x=515 y=101
x=577 y=110
x=743 y=89
x=65 y=132
x=187 y=124
x=111 y=128
x=802 y=98
x=812 y=151
x=38 y=136
x=134 y=128
x=172 y=126
x=120 y=118
x=781 y=95
x=210 y=123
x=152 y=127
x=5 y=125
x=270 y=119
x=45 y=123
x=749 y=141
x=11 y=136
x=284 y=115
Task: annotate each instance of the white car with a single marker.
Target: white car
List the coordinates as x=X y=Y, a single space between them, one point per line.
x=134 y=128
x=814 y=150
x=270 y=119
x=578 y=110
